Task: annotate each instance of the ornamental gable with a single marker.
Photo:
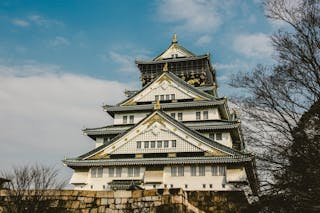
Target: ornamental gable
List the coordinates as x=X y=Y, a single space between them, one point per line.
x=157 y=129
x=165 y=88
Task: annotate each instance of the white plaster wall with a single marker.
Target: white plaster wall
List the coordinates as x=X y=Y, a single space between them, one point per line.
x=188 y=115
x=236 y=174
x=164 y=88
x=181 y=144
x=226 y=139
x=193 y=182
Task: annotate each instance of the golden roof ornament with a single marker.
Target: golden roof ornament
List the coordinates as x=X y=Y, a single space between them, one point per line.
x=165 y=67
x=174 y=39
x=157 y=105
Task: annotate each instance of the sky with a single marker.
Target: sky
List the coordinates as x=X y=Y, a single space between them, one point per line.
x=60 y=61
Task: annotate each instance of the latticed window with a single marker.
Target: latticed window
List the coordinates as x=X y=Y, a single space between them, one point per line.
x=131 y=120
x=125 y=119
x=173 y=96
x=174 y=143
x=211 y=136
x=165 y=144
x=159 y=144
x=198 y=115
x=118 y=171
x=218 y=170
x=156 y=97
x=202 y=170
x=180 y=171
x=97 y=172
x=111 y=172
x=173 y=115
x=205 y=115
x=138 y=144
x=146 y=144
x=173 y=171
x=180 y=116
x=193 y=170
x=219 y=136
x=152 y=144
x=133 y=171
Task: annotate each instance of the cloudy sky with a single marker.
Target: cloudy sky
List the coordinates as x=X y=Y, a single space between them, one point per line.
x=60 y=61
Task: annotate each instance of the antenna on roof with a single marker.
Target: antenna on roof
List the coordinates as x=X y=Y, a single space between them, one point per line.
x=174 y=39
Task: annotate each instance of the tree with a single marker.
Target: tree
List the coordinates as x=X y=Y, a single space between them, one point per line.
x=28 y=190
x=280 y=94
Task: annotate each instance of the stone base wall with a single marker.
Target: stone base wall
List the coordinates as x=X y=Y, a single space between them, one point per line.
x=154 y=201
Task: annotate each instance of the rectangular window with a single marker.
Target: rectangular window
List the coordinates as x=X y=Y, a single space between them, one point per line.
x=210 y=185
x=173 y=97
x=218 y=136
x=131 y=119
x=211 y=136
x=138 y=144
x=153 y=144
x=118 y=171
x=146 y=144
x=161 y=97
x=180 y=116
x=202 y=170
x=198 y=115
x=173 y=115
x=124 y=119
x=218 y=170
x=186 y=186
x=165 y=144
x=100 y=172
x=136 y=171
x=130 y=172
x=111 y=172
x=173 y=171
x=174 y=143
x=156 y=97
x=96 y=172
x=204 y=186
x=205 y=115
x=180 y=171
x=167 y=97
x=159 y=144
x=193 y=170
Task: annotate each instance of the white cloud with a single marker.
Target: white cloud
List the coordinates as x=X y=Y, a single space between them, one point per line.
x=59 y=41
x=125 y=62
x=253 y=45
x=43 y=110
x=191 y=16
x=203 y=40
x=20 y=23
x=42 y=21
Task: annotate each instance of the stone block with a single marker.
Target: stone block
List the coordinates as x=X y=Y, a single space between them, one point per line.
x=88 y=200
x=137 y=193
x=109 y=194
x=104 y=201
x=94 y=210
x=75 y=205
x=101 y=209
x=101 y=194
x=110 y=201
x=122 y=194
x=150 y=192
x=85 y=210
x=118 y=200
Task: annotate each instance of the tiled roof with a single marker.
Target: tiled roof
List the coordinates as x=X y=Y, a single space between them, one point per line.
x=181 y=83
x=172 y=105
x=173 y=59
x=160 y=161
x=194 y=125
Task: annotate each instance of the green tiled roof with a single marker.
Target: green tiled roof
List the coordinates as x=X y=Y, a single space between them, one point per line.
x=179 y=81
x=194 y=125
x=172 y=59
x=160 y=161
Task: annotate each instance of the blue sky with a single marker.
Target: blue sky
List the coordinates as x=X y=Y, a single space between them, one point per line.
x=61 y=60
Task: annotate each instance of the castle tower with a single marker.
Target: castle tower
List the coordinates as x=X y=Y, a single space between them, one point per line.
x=175 y=132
